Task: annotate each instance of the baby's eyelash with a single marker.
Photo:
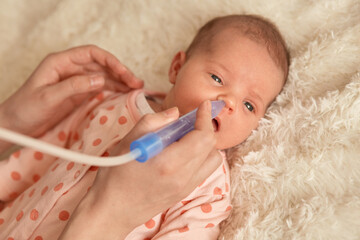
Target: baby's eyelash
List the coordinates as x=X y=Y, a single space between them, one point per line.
x=249 y=106
x=216 y=78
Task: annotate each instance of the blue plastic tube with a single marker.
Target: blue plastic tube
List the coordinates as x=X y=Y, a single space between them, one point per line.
x=153 y=143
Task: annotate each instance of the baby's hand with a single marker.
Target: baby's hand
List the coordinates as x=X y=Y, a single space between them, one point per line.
x=138 y=191
x=59 y=84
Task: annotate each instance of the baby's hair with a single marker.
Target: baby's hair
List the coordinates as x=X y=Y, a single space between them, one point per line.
x=254 y=27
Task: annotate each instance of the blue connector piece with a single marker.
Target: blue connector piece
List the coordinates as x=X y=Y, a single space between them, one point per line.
x=153 y=143
x=149 y=145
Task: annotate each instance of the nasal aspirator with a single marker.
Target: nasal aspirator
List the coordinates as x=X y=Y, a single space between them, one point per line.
x=141 y=149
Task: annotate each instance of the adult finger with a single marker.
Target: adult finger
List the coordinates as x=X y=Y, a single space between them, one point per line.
x=201 y=140
x=106 y=59
x=73 y=86
x=148 y=123
x=116 y=86
x=74 y=61
x=114 y=81
x=195 y=176
x=203 y=117
x=212 y=162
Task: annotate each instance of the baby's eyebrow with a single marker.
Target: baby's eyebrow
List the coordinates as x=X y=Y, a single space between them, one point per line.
x=220 y=65
x=255 y=95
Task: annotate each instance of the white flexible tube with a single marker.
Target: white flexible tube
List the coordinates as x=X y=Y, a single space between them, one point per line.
x=65 y=153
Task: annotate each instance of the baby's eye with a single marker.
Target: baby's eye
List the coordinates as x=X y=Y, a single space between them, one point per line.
x=216 y=78
x=249 y=106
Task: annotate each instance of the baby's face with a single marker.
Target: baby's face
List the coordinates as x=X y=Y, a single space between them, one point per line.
x=236 y=70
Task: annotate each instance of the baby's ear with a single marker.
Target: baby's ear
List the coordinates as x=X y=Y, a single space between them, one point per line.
x=176 y=64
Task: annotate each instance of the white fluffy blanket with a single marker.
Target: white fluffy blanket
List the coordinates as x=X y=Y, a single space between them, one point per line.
x=298 y=175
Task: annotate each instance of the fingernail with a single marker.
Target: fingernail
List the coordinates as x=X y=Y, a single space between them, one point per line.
x=171 y=112
x=96 y=81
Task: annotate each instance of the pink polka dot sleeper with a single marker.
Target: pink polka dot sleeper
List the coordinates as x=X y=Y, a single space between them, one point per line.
x=38 y=192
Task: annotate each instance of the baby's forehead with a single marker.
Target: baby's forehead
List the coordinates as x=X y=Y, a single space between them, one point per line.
x=211 y=41
x=218 y=36
x=234 y=42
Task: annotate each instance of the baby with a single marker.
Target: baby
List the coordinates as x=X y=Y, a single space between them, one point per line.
x=241 y=59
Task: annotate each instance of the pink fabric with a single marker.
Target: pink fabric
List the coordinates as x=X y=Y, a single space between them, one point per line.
x=39 y=192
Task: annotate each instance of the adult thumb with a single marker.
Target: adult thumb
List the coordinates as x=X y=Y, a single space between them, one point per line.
x=150 y=123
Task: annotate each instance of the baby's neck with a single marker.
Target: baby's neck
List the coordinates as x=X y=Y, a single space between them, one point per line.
x=154 y=105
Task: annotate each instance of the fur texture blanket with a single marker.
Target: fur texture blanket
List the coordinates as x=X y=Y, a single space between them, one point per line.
x=298 y=175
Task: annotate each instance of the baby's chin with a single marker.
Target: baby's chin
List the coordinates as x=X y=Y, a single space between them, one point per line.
x=224 y=142
x=220 y=144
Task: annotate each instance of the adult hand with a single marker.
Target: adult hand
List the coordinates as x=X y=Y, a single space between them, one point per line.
x=126 y=196
x=59 y=84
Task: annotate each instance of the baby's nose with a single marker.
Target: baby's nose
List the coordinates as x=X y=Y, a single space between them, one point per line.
x=230 y=102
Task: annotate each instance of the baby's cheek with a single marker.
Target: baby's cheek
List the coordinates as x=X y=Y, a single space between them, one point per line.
x=233 y=134
x=187 y=104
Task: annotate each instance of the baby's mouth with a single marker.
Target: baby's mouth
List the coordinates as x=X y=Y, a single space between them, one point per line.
x=215 y=124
